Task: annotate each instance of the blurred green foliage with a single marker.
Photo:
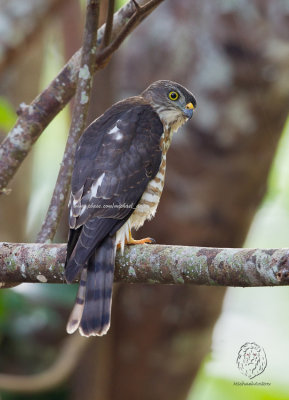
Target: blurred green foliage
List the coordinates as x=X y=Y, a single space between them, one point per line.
x=7 y=115
x=270 y=227
x=120 y=3
x=216 y=388
x=27 y=326
x=48 y=150
x=279 y=174
x=61 y=394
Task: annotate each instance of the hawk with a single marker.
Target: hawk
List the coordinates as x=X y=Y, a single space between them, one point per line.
x=117 y=182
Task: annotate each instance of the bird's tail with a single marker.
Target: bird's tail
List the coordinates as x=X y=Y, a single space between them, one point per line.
x=91 y=312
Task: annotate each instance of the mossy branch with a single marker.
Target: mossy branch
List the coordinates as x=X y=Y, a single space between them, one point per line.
x=44 y=263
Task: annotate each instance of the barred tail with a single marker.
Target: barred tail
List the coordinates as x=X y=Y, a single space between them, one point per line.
x=91 y=312
x=77 y=311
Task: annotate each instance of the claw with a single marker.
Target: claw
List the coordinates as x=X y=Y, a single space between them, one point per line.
x=131 y=240
x=141 y=241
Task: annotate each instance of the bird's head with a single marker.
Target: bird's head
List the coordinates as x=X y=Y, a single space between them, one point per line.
x=171 y=100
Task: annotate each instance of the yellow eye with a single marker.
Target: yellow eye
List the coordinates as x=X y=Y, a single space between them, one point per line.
x=174 y=96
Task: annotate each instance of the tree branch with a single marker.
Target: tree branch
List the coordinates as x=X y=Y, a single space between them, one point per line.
x=22 y=26
x=66 y=361
x=108 y=25
x=140 y=14
x=154 y=264
x=78 y=122
x=34 y=118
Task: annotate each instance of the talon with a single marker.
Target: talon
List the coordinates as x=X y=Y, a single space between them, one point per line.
x=140 y=241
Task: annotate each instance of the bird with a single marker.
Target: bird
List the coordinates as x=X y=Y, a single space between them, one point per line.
x=117 y=181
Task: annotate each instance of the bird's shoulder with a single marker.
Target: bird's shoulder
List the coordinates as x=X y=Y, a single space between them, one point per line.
x=132 y=109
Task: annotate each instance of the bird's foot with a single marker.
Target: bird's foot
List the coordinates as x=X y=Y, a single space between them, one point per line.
x=146 y=240
x=131 y=240
x=141 y=241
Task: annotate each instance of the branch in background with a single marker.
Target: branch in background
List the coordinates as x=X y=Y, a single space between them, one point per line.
x=61 y=369
x=109 y=24
x=22 y=25
x=139 y=15
x=33 y=119
x=78 y=122
x=154 y=264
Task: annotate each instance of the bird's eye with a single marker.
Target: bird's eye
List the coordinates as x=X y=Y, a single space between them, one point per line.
x=174 y=95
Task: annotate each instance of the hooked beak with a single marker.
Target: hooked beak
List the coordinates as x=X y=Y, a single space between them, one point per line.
x=189 y=110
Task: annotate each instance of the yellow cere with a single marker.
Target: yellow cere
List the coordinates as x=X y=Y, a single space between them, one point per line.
x=190 y=106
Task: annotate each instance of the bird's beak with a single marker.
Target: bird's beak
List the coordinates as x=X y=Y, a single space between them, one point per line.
x=189 y=110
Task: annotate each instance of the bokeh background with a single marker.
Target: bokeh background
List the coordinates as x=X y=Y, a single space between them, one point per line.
x=226 y=186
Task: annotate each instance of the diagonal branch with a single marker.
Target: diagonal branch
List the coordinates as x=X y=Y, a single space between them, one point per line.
x=155 y=264
x=78 y=122
x=34 y=118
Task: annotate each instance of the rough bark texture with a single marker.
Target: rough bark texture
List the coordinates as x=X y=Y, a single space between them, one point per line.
x=34 y=262
x=234 y=57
